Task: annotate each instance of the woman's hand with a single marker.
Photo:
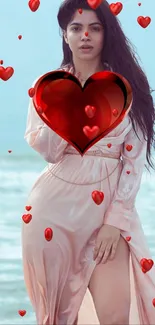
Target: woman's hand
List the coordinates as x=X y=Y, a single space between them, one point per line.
x=106 y=243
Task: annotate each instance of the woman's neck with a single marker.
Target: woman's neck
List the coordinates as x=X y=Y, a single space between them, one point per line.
x=84 y=75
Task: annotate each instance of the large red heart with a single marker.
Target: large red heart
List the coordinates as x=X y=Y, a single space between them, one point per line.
x=60 y=101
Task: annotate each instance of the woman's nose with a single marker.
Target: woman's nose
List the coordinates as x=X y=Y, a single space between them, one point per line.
x=85 y=35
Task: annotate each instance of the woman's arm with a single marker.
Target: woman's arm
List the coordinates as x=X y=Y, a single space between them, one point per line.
x=41 y=138
x=120 y=211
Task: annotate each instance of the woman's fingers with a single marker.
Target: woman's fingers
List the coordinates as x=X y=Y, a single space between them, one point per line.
x=113 y=251
x=97 y=248
x=106 y=253
x=103 y=253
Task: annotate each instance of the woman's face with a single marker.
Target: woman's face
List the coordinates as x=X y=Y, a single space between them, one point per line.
x=75 y=35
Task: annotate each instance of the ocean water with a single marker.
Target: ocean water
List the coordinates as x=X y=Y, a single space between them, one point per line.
x=17 y=176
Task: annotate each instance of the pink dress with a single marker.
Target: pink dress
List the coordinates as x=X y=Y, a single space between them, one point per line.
x=57 y=272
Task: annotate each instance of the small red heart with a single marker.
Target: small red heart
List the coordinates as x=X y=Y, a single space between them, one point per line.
x=153 y=302
x=27 y=217
x=34 y=5
x=128 y=238
x=31 y=92
x=90 y=111
x=40 y=110
x=62 y=102
x=86 y=33
x=129 y=147
x=19 y=36
x=128 y=172
x=80 y=11
x=146 y=264
x=6 y=73
x=116 y=8
x=9 y=151
x=94 y=3
x=22 y=312
x=1 y=61
x=109 y=145
x=48 y=234
x=115 y=112
x=28 y=207
x=98 y=197
x=139 y=4
x=143 y=270
x=143 y=21
x=91 y=132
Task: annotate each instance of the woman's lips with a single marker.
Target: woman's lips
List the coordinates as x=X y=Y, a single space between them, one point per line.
x=86 y=49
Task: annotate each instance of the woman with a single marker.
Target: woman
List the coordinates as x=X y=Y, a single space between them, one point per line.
x=91 y=244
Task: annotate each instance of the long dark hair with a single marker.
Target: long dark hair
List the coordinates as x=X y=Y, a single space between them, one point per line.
x=119 y=54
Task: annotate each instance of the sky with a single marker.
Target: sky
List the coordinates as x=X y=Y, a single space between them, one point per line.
x=40 y=51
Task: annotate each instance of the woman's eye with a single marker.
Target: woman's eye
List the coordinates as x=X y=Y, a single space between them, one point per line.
x=75 y=28
x=96 y=29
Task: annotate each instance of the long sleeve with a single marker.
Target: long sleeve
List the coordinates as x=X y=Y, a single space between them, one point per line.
x=120 y=210
x=41 y=138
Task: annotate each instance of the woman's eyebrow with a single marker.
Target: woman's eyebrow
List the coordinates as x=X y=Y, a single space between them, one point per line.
x=79 y=24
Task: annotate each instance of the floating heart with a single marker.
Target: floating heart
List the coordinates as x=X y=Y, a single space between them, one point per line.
x=80 y=11
x=27 y=217
x=60 y=103
x=143 y=21
x=98 y=197
x=34 y=5
x=129 y=147
x=22 y=312
x=146 y=264
x=91 y=132
x=6 y=73
x=90 y=111
x=48 y=234
x=115 y=112
x=128 y=238
x=28 y=207
x=31 y=92
x=143 y=270
x=153 y=302
x=94 y=3
x=116 y=8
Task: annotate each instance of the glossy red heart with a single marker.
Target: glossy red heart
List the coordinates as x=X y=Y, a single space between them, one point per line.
x=27 y=217
x=34 y=5
x=129 y=147
x=94 y=4
x=143 y=21
x=116 y=8
x=22 y=312
x=91 y=132
x=28 y=207
x=128 y=238
x=98 y=197
x=90 y=111
x=146 y=264
x=60 y=101
x=6 y=73
x=48 y=233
